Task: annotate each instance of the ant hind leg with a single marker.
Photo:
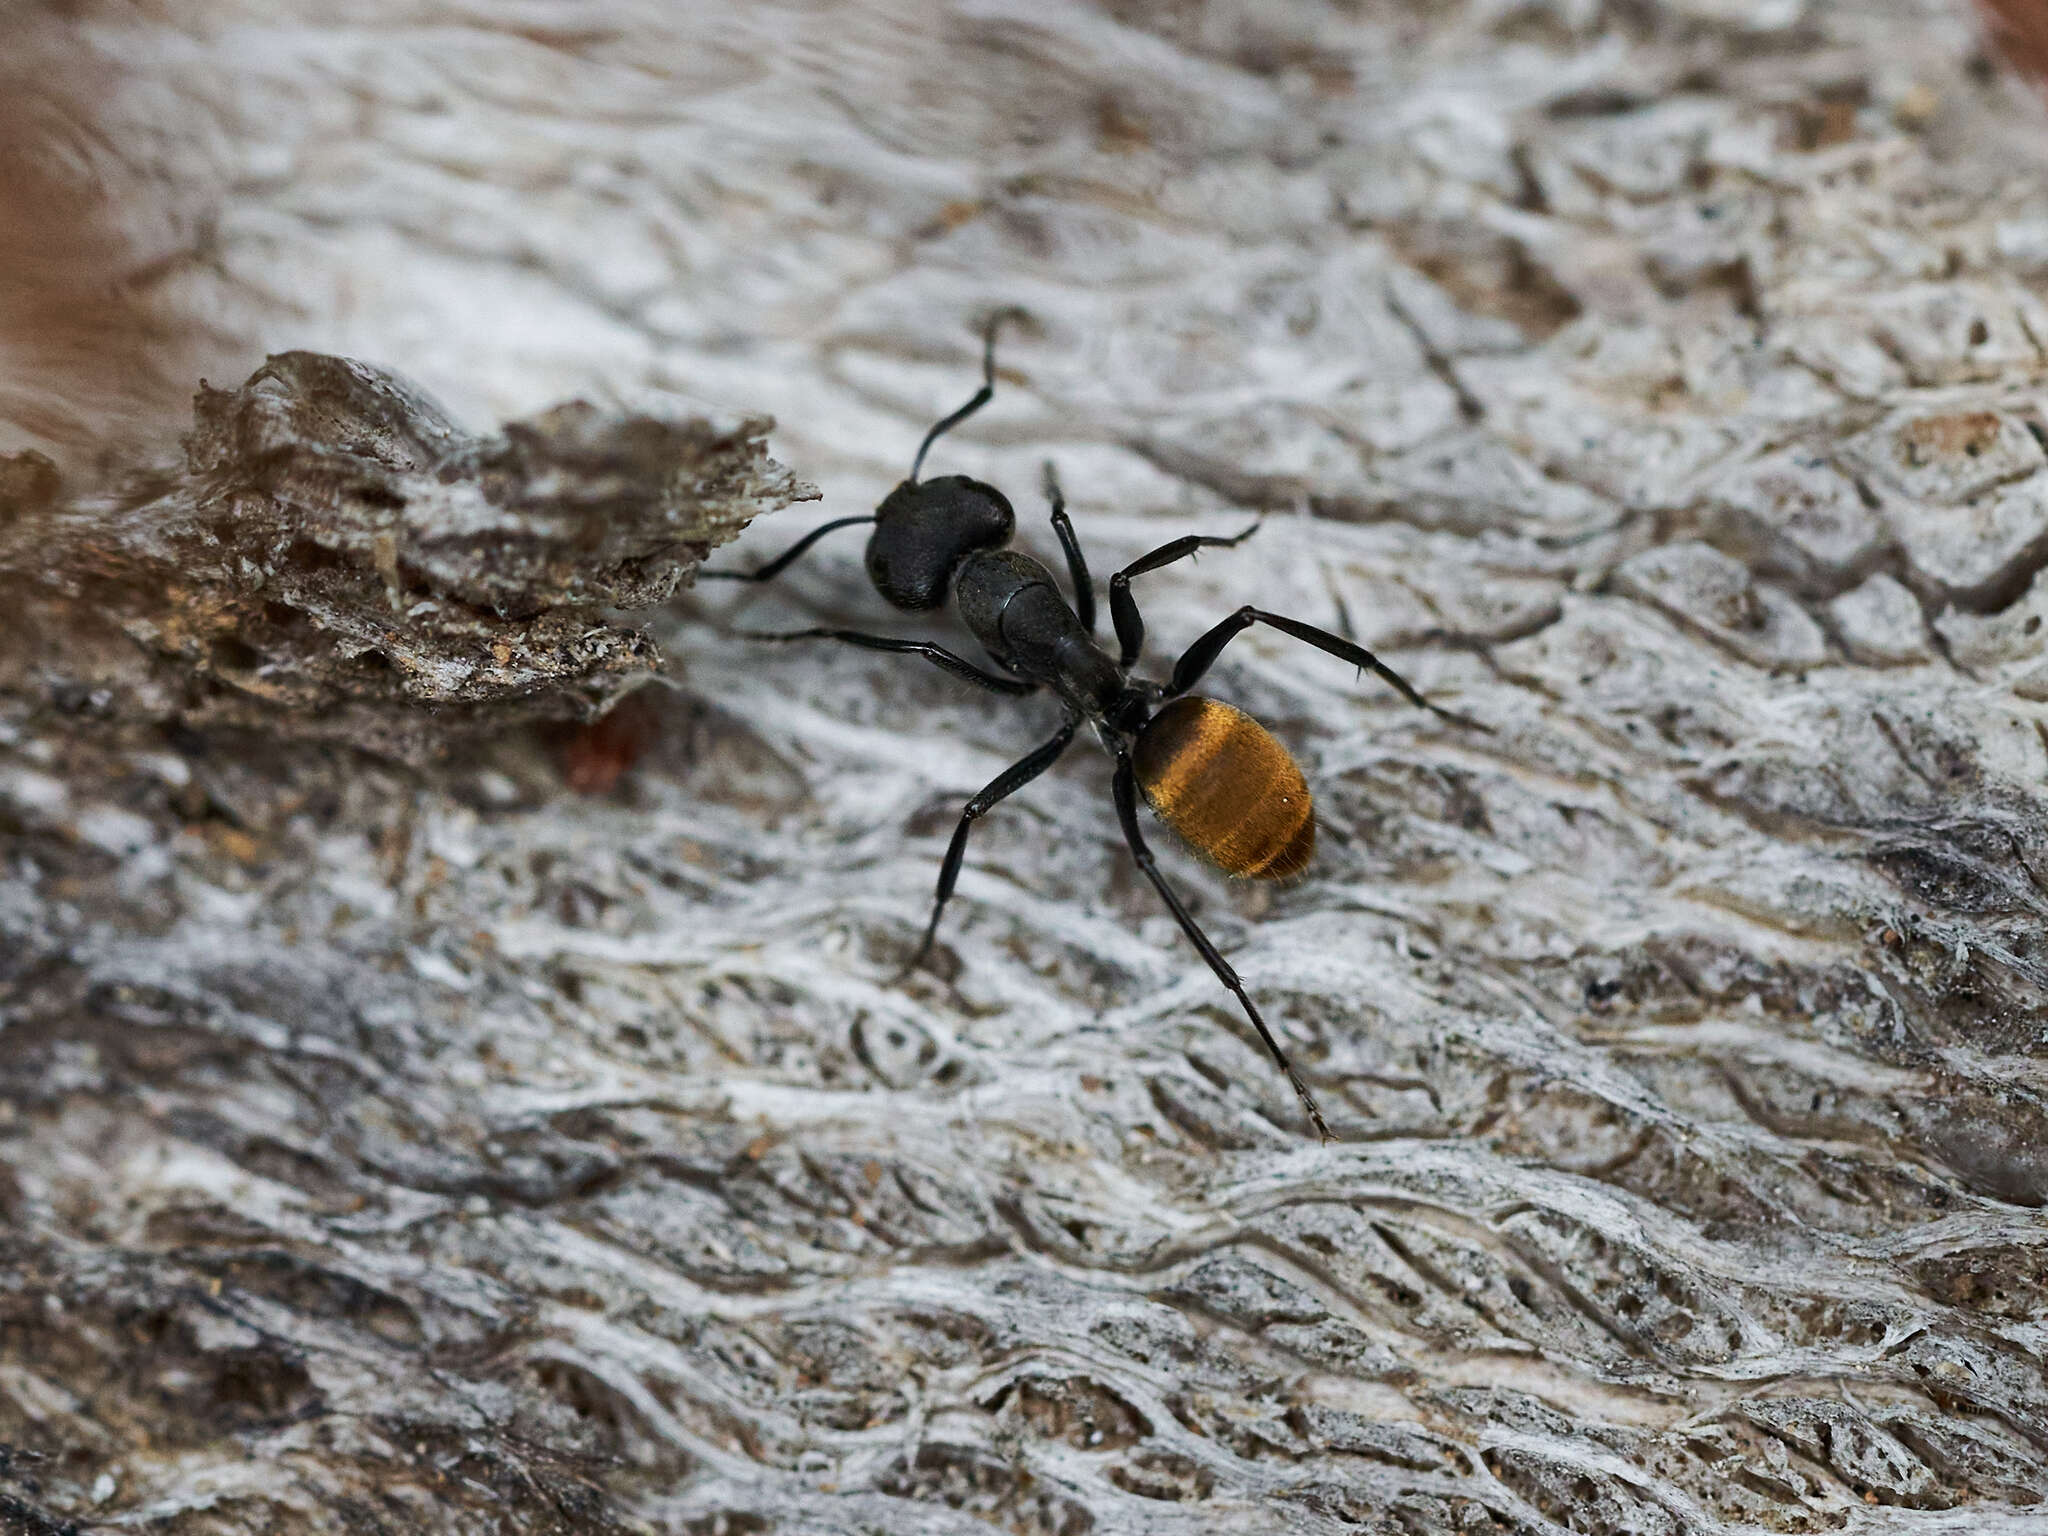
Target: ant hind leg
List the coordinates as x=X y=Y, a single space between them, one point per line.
x=1126 y=792
x=1199 y=657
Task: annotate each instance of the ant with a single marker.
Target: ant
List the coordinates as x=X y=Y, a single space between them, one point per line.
x=1212 y=773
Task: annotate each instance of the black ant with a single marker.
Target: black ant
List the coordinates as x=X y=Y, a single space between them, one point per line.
x=1210 y=772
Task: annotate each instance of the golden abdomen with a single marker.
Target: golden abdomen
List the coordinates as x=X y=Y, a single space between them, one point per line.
x=1221 y=780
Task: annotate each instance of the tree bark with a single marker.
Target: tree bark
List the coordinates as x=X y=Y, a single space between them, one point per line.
x=422 y=1111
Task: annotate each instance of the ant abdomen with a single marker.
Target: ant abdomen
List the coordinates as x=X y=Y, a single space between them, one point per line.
x=1223 y=782
x=925 y=528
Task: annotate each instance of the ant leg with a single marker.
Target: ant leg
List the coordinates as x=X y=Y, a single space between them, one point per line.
x=1196 y=659
x=938 y=655
x=776 y=566
x=1004 y=785
x=982 y=396
x=1077 y=563
x=1126 y=792
x=1123 y=609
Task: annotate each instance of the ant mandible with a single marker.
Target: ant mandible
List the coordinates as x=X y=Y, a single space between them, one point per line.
x=1212 y=773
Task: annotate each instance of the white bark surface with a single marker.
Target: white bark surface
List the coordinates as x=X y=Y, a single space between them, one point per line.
x=438 y=1149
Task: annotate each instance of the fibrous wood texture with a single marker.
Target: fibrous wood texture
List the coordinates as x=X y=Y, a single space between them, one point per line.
x=433 y=1148
x=334 y=558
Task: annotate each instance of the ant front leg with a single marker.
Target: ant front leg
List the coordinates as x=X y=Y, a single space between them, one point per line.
x=1004 y=785
x=1200 y=656
x=1077 y=563
x=1125 y=790
x=937 y=655
x=1123 y=608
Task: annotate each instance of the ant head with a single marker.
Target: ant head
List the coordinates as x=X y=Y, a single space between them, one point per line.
x=925 y=528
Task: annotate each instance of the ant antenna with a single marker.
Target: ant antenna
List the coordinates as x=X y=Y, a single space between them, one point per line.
x=981 y=395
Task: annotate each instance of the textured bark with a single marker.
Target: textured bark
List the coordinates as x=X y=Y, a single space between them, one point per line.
x=416 y=1144
x=336 y=559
